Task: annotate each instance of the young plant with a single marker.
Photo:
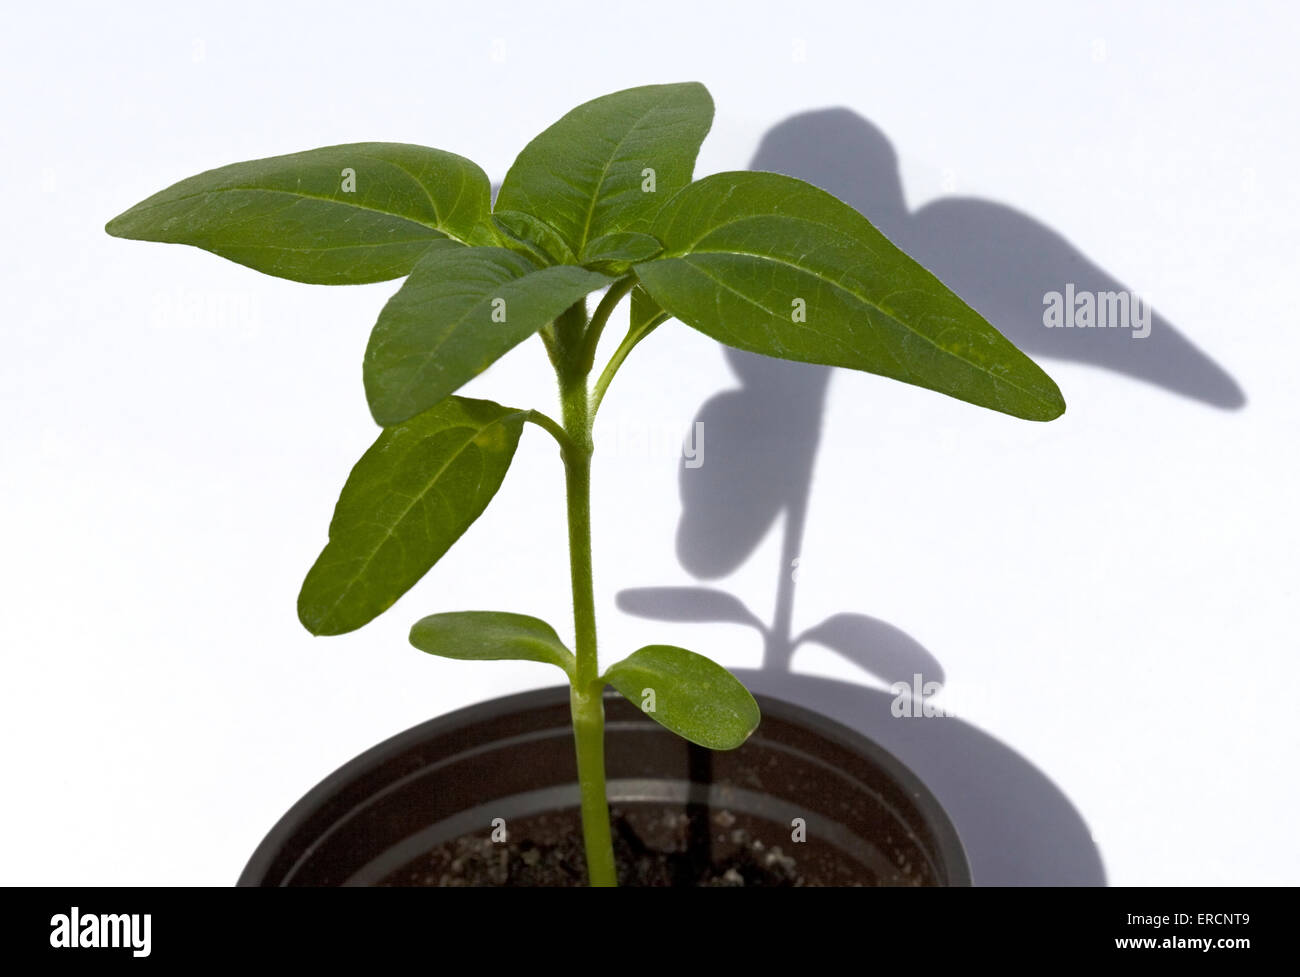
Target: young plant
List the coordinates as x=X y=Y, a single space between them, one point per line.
x=603 y=199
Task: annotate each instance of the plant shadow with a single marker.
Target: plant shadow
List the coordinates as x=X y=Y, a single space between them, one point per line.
x=1016 y=824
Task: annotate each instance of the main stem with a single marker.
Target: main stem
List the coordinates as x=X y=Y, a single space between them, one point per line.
x=585 y=697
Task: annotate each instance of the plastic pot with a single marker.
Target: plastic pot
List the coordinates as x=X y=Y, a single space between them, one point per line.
x=810 y=799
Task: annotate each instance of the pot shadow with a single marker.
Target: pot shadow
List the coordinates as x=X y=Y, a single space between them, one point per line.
x=1016 y=825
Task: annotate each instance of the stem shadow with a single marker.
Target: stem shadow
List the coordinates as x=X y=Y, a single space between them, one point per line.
x=1017 y=826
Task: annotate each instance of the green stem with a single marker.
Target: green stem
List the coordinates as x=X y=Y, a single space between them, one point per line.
x=547 y=334
x=567 y=332
x=598 y=319
x=550 y=427
x=629 y=342
x=589 y=738
x=587 y=689
x=577 y=478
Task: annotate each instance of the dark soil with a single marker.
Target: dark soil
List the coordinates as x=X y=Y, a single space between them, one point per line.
x=654 y=845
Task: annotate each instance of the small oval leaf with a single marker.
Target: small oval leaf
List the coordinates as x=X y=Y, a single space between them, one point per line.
x=491 y=636
x=696 y=698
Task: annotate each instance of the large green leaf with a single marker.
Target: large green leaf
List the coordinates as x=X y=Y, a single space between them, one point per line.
x=341 y=215
x=588 y=175
x=696 y=698
x=773 y=265
x=408 y=499
x=460 y=309
x=490 y=636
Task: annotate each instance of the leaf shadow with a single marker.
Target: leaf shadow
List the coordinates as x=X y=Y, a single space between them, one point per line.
x=1017 y=826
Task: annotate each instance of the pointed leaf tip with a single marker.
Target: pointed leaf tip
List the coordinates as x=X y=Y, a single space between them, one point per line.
x=340 y=215
x=611 y=163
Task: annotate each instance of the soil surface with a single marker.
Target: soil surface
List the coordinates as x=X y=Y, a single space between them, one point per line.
x=654 y=845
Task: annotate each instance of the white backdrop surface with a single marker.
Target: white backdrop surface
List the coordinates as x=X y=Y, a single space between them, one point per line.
x=1108 y=599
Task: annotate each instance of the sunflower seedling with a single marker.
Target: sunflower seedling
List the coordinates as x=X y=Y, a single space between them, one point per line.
x=603 y=200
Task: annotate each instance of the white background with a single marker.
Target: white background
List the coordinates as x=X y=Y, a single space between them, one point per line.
x=1111 y=596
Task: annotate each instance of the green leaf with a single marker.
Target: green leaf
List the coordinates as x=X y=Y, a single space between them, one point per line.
x=694 y=697
x=342 y=215
x=536 y=237
x=460 y=309
x=408 y=499
x=746 y=255
x=589 y=174
x=491 y=636
x=615 y=253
